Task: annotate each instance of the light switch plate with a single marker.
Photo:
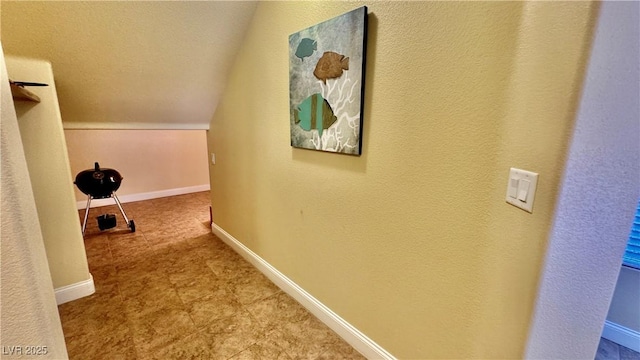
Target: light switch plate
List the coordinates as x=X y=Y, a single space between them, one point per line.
x=521 y=189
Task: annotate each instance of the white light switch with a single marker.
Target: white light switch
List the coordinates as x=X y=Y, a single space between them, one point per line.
x=521 y=188
x=213 y=158
x=512 y=189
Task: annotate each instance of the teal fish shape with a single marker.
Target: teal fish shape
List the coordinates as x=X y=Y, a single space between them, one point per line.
x=314 y=113
x=306 y=48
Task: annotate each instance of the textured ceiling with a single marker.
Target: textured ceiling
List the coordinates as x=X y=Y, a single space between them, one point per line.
x=125 y=64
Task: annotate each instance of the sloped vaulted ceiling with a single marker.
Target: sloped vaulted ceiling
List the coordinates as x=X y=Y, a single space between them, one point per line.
x=130 y=64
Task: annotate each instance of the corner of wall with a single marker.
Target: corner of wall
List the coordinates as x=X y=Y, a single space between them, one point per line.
x=29 y=313
x=45 y=151
x=598 y=195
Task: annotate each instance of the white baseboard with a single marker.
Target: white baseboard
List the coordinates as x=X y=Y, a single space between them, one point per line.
x=143 y=196
x=621 y=335
x=72 y=125
x=75 y=291
x=348 y=332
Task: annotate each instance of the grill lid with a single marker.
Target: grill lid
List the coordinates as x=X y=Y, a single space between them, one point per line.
x=99 y=182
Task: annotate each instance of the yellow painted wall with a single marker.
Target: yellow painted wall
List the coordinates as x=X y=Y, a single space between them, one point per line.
x=29 y=315
x=46 y=154
x=412 y=242
x=148 y=160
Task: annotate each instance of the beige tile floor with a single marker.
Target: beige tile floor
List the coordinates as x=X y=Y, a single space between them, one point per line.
x=173 y=290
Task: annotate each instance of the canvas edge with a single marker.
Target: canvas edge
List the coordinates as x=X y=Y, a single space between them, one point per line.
x=365 y=40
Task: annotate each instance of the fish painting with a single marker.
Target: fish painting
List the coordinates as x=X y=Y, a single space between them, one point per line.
x=314 y=112
x=330 y=66
x=306 y=48
x=326 y=83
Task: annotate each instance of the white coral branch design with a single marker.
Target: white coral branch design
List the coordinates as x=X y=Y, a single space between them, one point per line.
x=339 y=95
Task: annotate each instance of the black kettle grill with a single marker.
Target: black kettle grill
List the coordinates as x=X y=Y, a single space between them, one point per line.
x=100 y=183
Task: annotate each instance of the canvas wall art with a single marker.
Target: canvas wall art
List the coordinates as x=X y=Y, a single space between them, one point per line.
x=326 y=84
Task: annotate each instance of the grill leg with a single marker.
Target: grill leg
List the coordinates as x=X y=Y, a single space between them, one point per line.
x=115 y=197
x=86 y=214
